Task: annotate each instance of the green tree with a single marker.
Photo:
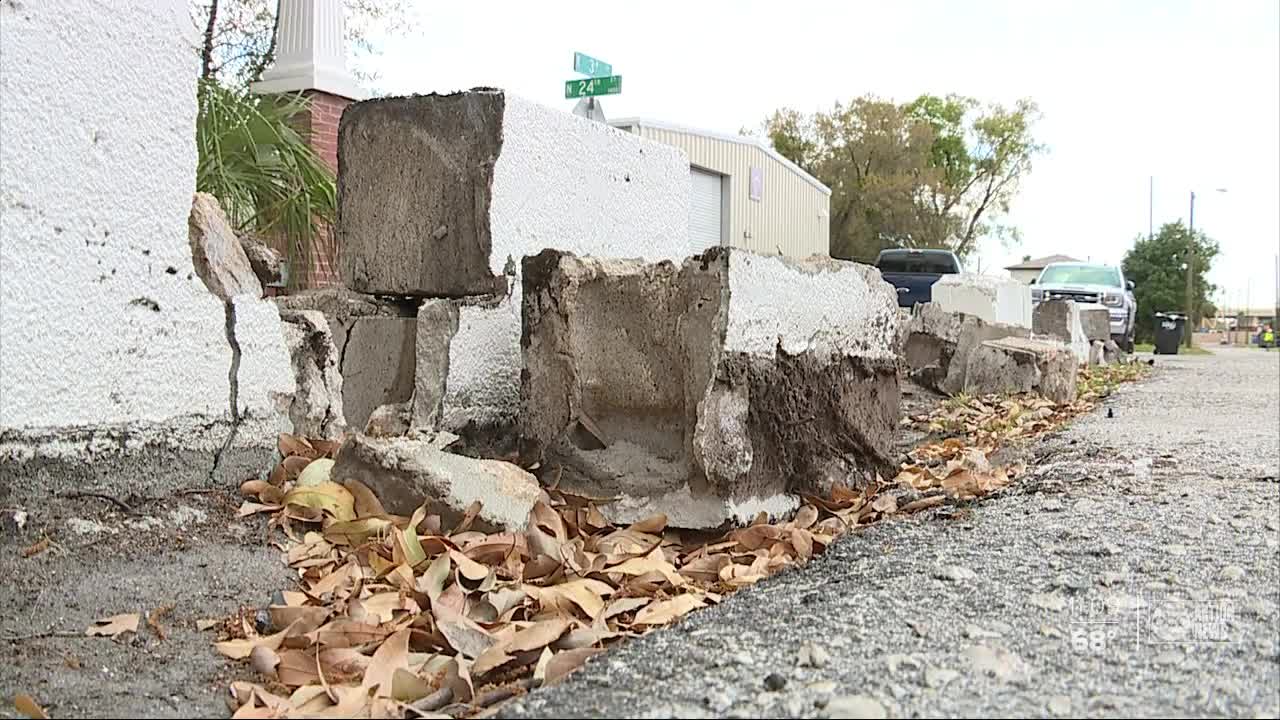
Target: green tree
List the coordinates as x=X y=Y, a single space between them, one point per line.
x=937 y=172
x=1157 y=267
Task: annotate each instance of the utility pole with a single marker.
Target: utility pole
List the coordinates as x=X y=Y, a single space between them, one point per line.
x=1151 y=204
x=1275 y=319
x=1191 y=251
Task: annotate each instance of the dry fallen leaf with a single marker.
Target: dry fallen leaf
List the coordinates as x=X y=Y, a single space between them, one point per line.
x=154 y=617
x=36 y=548
x=538 y=635
x=294 y=445
x=366 y=503
x=114 y=626
x=653 y=562
x=885 y=504
x=28 y=706
x=241 y=648
x=665 y=611
x=565 y=662
x=464 y=635
x=586 y=594
x=391 y=655
x=263 y=660
x=327 y=496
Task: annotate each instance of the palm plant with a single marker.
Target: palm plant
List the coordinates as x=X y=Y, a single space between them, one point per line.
x=262 y=171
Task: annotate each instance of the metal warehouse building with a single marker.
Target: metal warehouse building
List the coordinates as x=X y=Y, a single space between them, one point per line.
x=745 y=194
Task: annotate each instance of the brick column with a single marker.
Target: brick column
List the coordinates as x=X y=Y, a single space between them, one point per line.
x=311 y=59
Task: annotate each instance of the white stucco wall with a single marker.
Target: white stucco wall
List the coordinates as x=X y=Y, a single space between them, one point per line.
x=567 y=183
x=808 y=304
x=993 y=299
x=103 y=321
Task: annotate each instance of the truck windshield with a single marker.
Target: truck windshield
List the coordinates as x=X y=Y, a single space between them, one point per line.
x=936 y=264
x=1080 y=275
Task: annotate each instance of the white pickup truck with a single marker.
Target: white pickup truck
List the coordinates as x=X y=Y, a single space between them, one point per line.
x=1089 y=284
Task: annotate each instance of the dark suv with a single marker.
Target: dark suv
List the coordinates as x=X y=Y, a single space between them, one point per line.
x=913 y=272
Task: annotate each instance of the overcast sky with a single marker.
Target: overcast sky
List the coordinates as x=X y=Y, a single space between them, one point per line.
x=1187 y=92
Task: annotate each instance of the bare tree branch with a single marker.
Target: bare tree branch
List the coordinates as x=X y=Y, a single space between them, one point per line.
x=206 y=57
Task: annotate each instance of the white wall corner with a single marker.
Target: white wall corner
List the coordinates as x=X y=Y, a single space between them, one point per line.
x=310 y=52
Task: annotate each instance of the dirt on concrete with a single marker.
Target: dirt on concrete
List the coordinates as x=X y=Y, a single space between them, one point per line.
x=186 y=551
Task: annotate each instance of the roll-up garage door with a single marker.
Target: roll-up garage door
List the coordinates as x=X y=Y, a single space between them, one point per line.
x=704 y=210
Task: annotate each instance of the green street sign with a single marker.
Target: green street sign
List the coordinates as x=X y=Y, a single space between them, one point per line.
x=611 y=85
x=590 y=66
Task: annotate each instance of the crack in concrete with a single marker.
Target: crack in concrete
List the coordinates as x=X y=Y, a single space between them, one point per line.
x=233 y=376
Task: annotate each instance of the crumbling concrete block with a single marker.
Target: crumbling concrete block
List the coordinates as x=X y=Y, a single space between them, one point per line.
x=441 y=195
x=938 y=344
x=378 y=365
x=1111 y=352
x=1096 y=322
x=376 y=340
x=708 y=391
x=342 y=308
x=390 y=420
x=266 y=262
x=1097 y=353
x=219 y=259
x=1060 y=320
x=406 y=473
x=1021 y=365
x=437 y=323
x=990 y=299
x=316 y=410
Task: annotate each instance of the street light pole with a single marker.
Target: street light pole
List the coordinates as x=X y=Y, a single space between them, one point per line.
x=1191 y=254
x=1191 y=250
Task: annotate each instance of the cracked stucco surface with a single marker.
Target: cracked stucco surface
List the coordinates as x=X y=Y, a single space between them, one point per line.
x=105 y=324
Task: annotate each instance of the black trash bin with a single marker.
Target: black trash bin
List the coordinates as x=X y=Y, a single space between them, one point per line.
x=1169 y=331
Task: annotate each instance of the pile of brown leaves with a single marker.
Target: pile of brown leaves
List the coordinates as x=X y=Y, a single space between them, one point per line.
x=990 y=420
x=390 y=611
x=399 y=616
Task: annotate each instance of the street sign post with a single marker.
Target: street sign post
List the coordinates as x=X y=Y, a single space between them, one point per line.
x=590 y=66
x=590 y=87
x=600 y=81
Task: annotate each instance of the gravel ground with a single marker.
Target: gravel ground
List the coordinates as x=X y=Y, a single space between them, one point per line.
x=188 y=552
x=1134 y=571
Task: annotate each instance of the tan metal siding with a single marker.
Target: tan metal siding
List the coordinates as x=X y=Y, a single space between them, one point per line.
x=792 y=215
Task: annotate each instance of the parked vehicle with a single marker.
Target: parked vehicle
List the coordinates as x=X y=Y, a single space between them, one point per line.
x=1091 y=284
x=913 y=272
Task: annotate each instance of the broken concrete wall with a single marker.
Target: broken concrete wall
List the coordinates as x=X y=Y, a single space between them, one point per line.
x=316 y=410
x=118 y=367
x=436 y=325
x=1060 y=320
x=425 y=214
x=990 y=299
x=406 y=473
x=1020 y=365
x=376 y=340
x=219 y=258
x=1096 y=322
x=938 y=344
x=378 y=365
x=712 y=390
